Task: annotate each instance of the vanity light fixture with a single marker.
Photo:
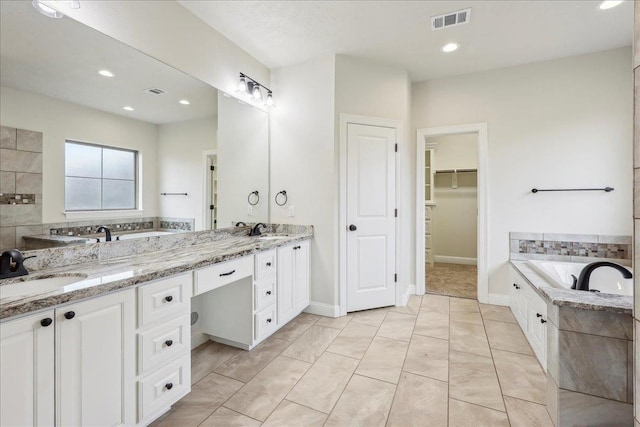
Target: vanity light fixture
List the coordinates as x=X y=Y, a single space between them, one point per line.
x=609 y=4
x=184 y=102
x=128 y=108
x=257 y=93
x=46 y=10
x=269 y=102
x=450 y=47
x=249 y=86
x=242 y=84
x=105 y=73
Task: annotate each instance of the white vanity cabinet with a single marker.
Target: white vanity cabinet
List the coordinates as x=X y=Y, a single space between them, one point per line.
x=293 y=280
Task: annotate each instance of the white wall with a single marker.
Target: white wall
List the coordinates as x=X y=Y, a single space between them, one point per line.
x=303 y=163
x=58 y=121
x=181 y=168
x=455 y=151
x=560 y=123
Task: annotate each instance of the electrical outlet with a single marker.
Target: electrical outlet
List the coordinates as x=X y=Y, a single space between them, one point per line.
x=250 y=210
x=292 y=211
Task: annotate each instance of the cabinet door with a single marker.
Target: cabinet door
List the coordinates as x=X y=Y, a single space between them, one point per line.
x=286 y=288
x=27 y=371
x=536 y=325
x=301 y=275
x=95 y=351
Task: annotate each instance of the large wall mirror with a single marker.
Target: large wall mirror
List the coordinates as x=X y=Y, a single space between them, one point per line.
x=94 y=131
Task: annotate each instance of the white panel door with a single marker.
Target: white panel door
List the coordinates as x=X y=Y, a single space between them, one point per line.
x=27 y=371
x=370 y=217
x=95 y=348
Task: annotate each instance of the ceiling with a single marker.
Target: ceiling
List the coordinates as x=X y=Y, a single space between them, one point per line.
x=500 y=33
x=60 y=58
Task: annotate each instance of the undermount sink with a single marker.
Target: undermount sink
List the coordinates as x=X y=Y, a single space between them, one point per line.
x=38 y=286
x=273 y=237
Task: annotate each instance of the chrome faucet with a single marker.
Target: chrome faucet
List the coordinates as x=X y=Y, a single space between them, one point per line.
x=17 y=269
x=255 y=231
x=582 y=283
x=107 y=232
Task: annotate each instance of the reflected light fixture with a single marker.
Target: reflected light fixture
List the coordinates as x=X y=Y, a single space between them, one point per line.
x=257 y=93
x=105 y=73
x=252 y=88
x=450 y=47
x=242 y=84
x=609 y=4
x=184 y=102
x=46 y=10
x=269 y=102
x=128 y=108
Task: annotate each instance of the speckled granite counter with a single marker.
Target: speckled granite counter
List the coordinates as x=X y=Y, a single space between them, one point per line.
x=116 y=265
x=571 y=298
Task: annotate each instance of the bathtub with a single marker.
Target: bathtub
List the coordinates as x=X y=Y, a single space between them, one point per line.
x=131 y=236
x=604 y=279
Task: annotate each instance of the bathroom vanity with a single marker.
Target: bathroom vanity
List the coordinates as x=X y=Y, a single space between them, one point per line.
x=113 y=347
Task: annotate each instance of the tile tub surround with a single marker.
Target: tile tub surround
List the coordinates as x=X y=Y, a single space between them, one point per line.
x=174 y=224
x=570 y=247
x=20 y=185
x=116 y=265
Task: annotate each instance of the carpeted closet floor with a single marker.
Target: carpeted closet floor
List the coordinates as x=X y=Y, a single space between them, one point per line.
x=454 y=280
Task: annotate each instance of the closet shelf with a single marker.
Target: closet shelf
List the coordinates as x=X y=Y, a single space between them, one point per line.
x=456 y=170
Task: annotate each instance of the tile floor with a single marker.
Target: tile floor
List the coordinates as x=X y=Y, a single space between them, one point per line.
x=439 y=361
x=456 y=280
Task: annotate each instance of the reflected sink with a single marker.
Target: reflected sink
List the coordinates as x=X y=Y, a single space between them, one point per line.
x=273 y=237
x=38 y=286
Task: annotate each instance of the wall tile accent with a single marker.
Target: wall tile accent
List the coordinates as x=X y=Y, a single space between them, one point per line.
x=82 y=228
x=182 y=224
x=522 y=246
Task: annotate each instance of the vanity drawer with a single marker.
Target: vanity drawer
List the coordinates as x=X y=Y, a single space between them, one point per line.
x=163 y=343
x=264 y=294
x=222 y=274
x=265 y=322
x=265 y=264
x=164 y=387
x=164 y=298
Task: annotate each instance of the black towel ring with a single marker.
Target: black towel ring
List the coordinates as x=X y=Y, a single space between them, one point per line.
x=284 y=194
x=256 y=198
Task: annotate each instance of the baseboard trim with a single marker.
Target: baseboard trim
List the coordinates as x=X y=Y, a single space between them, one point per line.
x=198 y=339
x=411 y=290
x=322 y=309
x=499 y=299
x=455 y=260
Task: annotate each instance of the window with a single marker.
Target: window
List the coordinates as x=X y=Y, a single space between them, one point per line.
x=99 y=178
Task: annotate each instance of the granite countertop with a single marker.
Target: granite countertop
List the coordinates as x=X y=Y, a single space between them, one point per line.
x=107 y=275
x=572 y=298
x=57 y=238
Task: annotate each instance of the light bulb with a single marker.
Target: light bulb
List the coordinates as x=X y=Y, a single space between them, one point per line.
x=269 y=99
x=242 y=84
x=257 y=94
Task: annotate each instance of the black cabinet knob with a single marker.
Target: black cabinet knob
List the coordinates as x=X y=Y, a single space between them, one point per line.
x=169 y=386
x=268 y=264
x=515 y=286
x=168 y=298
x=69 y=315
x=268 y=292
x=543 y=321
x=169 y=343
x=352 y=227
x=268 y=320
x=46 y=322
x=296 y=248
x=538 y=315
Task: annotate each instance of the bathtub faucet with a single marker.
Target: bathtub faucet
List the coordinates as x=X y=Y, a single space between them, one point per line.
x=582 y=284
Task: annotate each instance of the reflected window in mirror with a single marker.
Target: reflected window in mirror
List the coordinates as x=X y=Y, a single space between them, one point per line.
x=99 y=178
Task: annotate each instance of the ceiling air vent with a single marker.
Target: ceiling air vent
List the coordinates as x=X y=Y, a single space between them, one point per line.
x=450 y=19
x=155 y=91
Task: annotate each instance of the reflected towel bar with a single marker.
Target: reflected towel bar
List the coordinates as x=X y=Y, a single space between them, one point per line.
x=173 y=194
x=605 y=189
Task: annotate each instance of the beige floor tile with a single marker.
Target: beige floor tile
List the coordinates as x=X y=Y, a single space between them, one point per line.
x=337 y=322
x=224 y=417
x=311 y=344
x=207 y=357
x=412 y=307
x=191 y=418
x=397 y=326
x=383 y=360
x=462 y=304
x=365 y=402
x=473 y=379
x=247 y=364
x=419 y=401
x=428 y=357
x=462 y=414
x=371 y=317
x=435 y=304
x=354 y=340
x=260 y=396
x=292 y=330
x=289 y=414
x=526 y=414
x=322 y=385
x=469 y=338
x=466 y=316
x=507 y=336
x=432 y=324
x=521 y=376
x=497 y=312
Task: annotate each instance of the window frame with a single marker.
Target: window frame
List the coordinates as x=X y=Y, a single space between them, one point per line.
x=136 y=177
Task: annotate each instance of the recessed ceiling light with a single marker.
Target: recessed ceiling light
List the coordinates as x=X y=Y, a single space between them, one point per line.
x=105 y=73
x=450 y=47
x=46 y=10
x=128 y=108
x=184 y=102
x=608 y=4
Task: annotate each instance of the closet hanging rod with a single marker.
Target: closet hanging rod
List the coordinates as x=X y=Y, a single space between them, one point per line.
x=605 y=189
x=173 y=194
x=455 y=170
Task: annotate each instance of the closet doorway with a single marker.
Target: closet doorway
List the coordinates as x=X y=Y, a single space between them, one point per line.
x=451 y=214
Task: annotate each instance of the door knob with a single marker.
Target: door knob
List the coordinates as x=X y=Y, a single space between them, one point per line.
x=352 y=227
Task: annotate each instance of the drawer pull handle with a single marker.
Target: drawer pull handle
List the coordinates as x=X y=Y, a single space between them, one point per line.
x=69 y=315
x=543 y=321
x=227 y=274
x=268 y=264
x=538 y=315
x=169 y=386
x=169 y=343
x=268 y=292
x=269 y=320
x=168 y=298
x=46 y=322
x=296 y=247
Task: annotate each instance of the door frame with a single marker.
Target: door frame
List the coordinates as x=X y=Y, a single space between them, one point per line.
x=341 y=254
x=206 y=212
x=483 y=207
